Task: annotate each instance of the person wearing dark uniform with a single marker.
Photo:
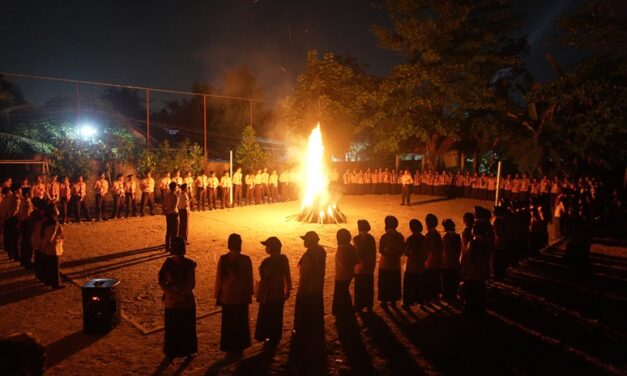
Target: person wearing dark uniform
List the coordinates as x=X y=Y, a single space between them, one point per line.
x=451 y=250
x=364 y=270
x=177 y=278
x=275 y=286
x=51 y=244
x=201 y=190
x=308 y=334
x=24 y=214
x=233 y=291
x=475 y=270
x=391 y=248
x=413 y=280
x=171 y=212
x=345 y=261
x=433 y=248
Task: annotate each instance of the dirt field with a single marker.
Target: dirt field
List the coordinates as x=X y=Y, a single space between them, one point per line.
x=539 y=320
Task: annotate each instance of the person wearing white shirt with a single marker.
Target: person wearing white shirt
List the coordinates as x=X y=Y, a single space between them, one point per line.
x=184 y=206
x=258 y=187
x=265 y=187
x=225 y=186
x=284 y=182
x=171 y=212
x=101 y=188
x=212 y=189
x=201 y=190
x=118 y=196
x=237 y=187
x=273 y=183
x=130 y=188
x=147 y=187
x=250 y=188
x=164 y=185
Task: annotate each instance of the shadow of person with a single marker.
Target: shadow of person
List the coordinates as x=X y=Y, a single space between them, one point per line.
x=165 y=363
x=68 y=346
x=258 y=364
x=215 y=368
x=349 y=335
x=307 y=354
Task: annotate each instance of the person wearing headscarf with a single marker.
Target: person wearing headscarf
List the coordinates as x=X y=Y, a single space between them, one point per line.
x=345 y=261
x=433 y=248
x=233 y=291
x=451 y=252
x=177 y=278
x=275 y=285
x=413 y=279
x=364 y=270
x=51 y=244
x=391 y=248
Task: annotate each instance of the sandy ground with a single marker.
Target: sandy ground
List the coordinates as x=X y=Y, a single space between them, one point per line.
x=539 y=320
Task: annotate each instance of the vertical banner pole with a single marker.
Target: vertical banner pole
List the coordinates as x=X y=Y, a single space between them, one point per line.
x=231 y=174
x=498 y=184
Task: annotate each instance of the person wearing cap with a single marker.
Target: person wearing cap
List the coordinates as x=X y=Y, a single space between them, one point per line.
x=171 y=211
x=308 y=334
x=185 y=202
x=451 y=251
x=130 y=188
x=391 y=248
x=233 y=291
x=147 y=187
x=413 y=279
x=101 y=188
x=177 y=278
x=364 y=270
x=345 y=261
x=433 y=248
x=275 y=285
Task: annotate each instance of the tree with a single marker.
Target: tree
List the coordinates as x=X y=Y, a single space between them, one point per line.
x=453 y=50
x=334 y=91
x=249 y=154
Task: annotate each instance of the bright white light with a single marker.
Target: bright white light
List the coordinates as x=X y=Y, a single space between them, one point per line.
x=87 y=130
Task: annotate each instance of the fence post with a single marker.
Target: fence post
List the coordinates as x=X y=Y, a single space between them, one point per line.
x=148 y=119
x=204 y=123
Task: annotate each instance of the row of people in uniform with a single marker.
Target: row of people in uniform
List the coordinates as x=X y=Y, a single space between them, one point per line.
x=434 y=266
x=477 y=186
x=32 y=235
x=129 y=197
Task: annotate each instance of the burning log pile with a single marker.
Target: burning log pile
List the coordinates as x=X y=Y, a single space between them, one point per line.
x=317 y=206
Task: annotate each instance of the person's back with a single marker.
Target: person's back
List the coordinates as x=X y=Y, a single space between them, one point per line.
x=367 y=253
x=452 y=245
x=312 y=269
x=433 y=247
x=416 y=253
x=177 y=278
x=234 y=283
x=391 y=247
x=345 y=261
x=275 y=278
x=476 y=263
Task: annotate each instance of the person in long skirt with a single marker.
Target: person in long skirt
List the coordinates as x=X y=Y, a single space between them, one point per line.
x=345 y=261
x=51 y=244
x=274 y=289
x=451 y=251
x=413 y=279
x=433 y=247
x=391 y=248
x=233 y=291
x=177 y=278
x=364 y=270
x=308 y=339
x=475 y=270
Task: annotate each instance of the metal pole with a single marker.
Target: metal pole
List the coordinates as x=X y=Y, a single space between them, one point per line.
x=204 y=122
x=231 y=174
x=498 y=184
x=78 y=102
x=148 y=119
x=251 y=112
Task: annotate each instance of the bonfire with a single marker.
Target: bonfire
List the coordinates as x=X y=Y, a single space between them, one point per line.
x=317 y=206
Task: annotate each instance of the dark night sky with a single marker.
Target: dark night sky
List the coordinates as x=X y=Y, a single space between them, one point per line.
x=169 y=44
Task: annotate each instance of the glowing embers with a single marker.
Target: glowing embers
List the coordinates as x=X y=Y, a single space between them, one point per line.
x=317 y=206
